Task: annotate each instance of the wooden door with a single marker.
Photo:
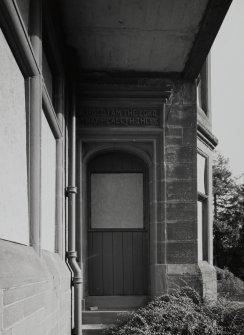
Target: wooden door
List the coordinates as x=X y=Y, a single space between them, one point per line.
x=117 y=225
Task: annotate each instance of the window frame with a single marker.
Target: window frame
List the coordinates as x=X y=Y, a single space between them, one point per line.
x=203 y=89
x=204 y=199
x=26 y=46
x=144 y=180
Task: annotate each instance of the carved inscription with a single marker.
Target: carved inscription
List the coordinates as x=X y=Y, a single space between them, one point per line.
x=120 y=117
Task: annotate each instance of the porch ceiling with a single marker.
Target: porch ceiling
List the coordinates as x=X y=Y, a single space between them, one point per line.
x=137 y=35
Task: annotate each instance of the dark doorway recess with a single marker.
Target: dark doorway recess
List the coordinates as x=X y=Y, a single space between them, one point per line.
x=118 y=238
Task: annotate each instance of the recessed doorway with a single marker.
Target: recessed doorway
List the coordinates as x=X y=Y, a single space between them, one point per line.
x=117 y=215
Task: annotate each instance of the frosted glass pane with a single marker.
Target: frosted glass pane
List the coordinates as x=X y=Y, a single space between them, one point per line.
x=48 y=186
x=117 y=200
x=199 y=230
x=201 y=166
x=14 y=220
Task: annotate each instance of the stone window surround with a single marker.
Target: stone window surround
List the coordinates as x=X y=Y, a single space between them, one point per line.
x=204 y=199
x=203 y=86
x=26 y=47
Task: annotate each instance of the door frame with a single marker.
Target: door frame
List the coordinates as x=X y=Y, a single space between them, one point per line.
x=120 y=162
x=145 y=145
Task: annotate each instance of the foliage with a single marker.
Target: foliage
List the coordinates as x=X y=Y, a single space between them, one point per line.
x=228 y=315
x=181 y=312
x=228 y=215
x=229 y=285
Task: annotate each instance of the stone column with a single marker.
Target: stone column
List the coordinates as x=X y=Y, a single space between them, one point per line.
x=176 y=227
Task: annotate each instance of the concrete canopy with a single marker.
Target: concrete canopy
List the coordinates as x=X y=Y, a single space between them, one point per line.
x=155 y=36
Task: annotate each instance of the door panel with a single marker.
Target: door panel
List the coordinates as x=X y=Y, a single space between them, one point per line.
x=128 y=263
x=117 y=263
x=118 y=267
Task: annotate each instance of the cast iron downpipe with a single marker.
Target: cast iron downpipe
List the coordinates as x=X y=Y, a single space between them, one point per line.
x=71 y=194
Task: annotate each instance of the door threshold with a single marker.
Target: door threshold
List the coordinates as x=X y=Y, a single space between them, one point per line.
x=115 y=302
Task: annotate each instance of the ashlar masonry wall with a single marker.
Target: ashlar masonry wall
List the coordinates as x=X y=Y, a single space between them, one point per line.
x=181 y=186
x=35 y=294
x=173 y=236
x=180 y=210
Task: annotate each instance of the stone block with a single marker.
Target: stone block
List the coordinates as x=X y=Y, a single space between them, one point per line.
x=209 y=281
x=181 y=115
x=33 y=304
x=183 y=270
x=160 y=231
x=180 y=171
x=176 y=281
x=51 y=301
x=161 y=252
x=180 y=191
x=179 y=275
x=189 y=136
x=181 y=253
x=159 y=279
x=201 y=277
x=174 y=136
x=65 y=322
x=184 y=93
x=1 y=310
x=180 y=154
x=182 y=230
x=36 y=293
x=53 y=331
x=18 y=293
x=49 y=322
x=181 y=211
x=161 y=210
x=28 y=326
x=13 y=314
x=8 y=332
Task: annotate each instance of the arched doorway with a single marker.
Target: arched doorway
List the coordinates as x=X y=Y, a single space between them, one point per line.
x=117 y=221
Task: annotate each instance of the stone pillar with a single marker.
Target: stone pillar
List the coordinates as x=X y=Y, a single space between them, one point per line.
x=176 y=234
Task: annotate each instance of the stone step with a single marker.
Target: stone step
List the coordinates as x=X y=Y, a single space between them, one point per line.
x=94 y=329
x=116 y=302
x=92 y=332
x=102 y=317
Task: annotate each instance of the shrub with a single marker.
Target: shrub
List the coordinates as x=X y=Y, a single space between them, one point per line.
x=229 y=285
x=181 y=312
x=229 y=316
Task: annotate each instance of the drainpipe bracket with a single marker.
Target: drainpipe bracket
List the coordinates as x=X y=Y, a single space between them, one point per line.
x=70 y=190
x=71 y=254
x=77 y=280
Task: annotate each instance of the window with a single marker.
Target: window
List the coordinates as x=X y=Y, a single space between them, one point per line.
x=202 y=89
x=52 y=182
x=202 y=207
x=20 y=135
x=14 y=211
x=48 y=185
x=117 y=200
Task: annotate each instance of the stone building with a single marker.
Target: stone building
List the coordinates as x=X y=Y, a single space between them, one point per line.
x=106 y=143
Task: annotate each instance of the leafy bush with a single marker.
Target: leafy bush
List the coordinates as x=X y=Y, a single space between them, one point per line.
x=229 y=316
x=229 y=285
x=182 y=312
